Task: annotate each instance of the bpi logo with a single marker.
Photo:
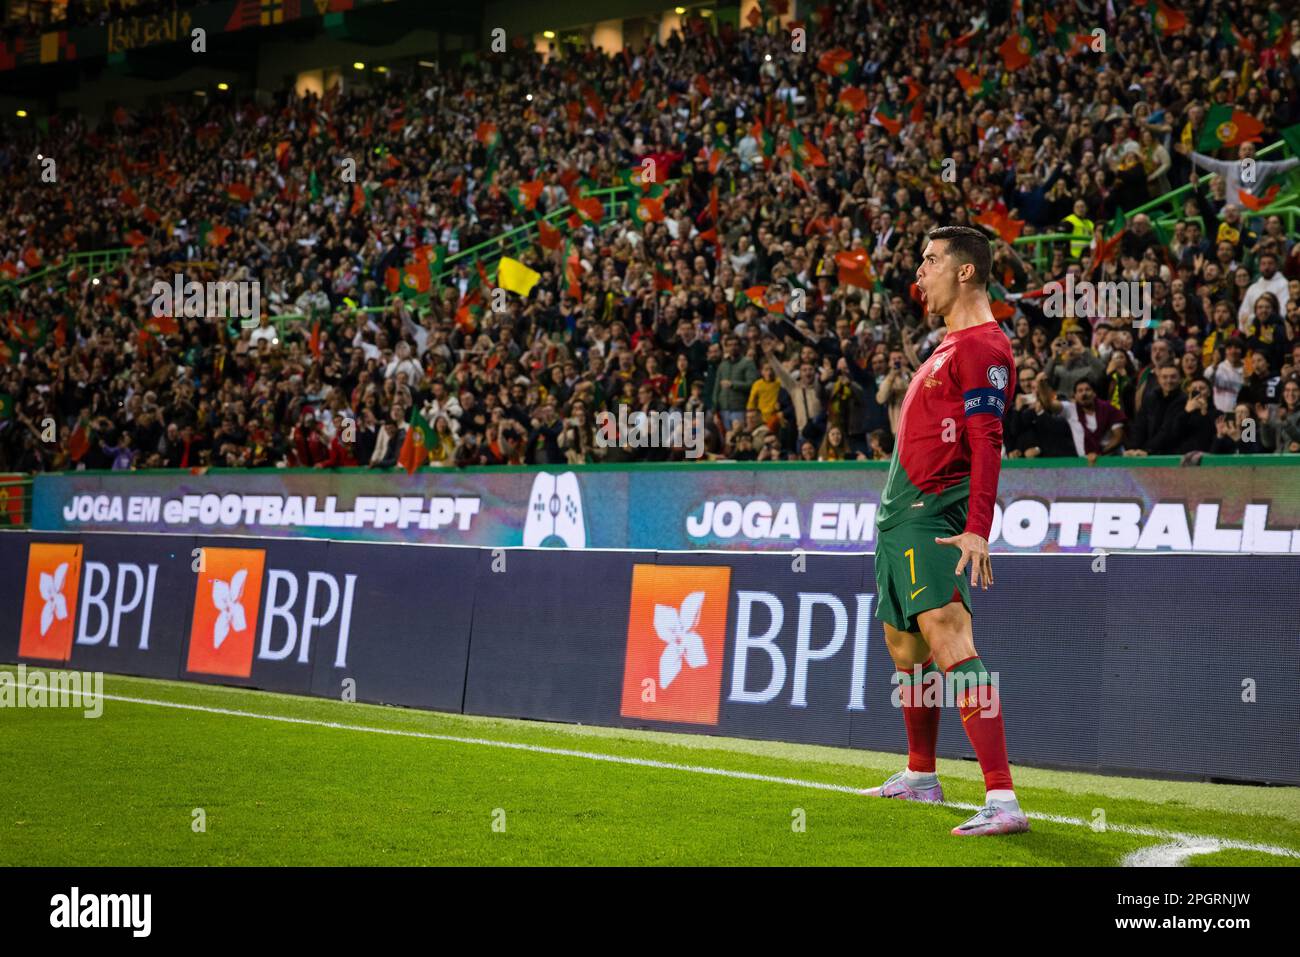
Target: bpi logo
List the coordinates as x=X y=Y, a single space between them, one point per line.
x=69 y=601
x=676 y=636
x=225 y=611
x=229 y=597
x=50 y=601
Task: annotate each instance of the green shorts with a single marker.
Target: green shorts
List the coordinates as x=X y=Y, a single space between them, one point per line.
x=913 y=574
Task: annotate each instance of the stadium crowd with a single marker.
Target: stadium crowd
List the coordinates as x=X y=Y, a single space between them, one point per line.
x=723 y=295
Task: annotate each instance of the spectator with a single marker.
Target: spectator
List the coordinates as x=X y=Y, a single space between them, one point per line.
x=735 y=377
x=1227 y=376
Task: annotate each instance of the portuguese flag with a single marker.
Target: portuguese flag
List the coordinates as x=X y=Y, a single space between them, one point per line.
x=636 y=178
x=524 y=196
x=415 y=447
x=1017 y=50
x=434 y=256
x=838 y=63
x=1228 y=126
x=1165 y=18
x=853 y=99
x=1233 y=37
x=854 y=268
x=416 y=279
x=1002 y=224
x=548 y=237
x=973 y=84
x=1256 y=203
x=804 y=152
x=647 y=210
x=488 y=134
x=588 y=208
x=359 y=200
x=886 y=116
x=572 y=271
x=663 y=279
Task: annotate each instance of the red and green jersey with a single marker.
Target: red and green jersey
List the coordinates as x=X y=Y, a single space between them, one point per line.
x=949 y=443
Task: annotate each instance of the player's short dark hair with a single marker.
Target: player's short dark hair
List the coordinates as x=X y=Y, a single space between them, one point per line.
x=969 y=245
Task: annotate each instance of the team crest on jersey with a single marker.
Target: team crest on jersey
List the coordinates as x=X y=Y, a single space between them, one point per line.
x=998 y=376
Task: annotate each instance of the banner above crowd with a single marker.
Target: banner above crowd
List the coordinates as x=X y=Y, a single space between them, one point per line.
x=1230 y=509
x=124 y=33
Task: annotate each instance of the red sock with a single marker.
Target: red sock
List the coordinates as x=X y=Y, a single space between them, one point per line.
x=921 y=720
x=981 y=716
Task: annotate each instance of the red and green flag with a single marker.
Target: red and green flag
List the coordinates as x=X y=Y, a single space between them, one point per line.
x=1018 y=50
x=635 y=177
x=548 y=237
x=1002 y=223
x=588 y=209
x=854 y=268
x=415 y=447
x=488 y=134
x=572 y=271
x=853 y=99
x=524 y=197
x=837 y=62
x=647 y=209
x=1256 y=203
x=804 y=152
x=1165 y=18
x=360 y=199
x=886 y=116
x=1228 y=126
x=1234 y=36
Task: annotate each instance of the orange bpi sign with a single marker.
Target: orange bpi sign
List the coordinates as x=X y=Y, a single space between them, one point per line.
x=676 y=640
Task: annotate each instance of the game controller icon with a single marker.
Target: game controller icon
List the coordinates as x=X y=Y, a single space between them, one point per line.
x=555 y=511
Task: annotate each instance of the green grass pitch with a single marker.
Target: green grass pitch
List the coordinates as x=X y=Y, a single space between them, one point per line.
x=324 y=788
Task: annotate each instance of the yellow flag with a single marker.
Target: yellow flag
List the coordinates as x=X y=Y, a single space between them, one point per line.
x=515 y=276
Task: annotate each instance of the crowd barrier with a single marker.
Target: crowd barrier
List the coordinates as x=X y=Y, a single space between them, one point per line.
x=1182 y=665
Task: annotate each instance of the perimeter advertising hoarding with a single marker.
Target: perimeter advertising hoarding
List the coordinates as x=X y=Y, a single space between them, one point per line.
x=1239 y=508
x=1185 y=664
x=377 y=623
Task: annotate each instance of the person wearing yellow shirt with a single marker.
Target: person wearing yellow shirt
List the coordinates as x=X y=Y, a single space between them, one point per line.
x=1080 y=228
x=764 y=394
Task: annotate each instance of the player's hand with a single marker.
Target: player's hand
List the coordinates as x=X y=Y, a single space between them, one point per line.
x=975 y=552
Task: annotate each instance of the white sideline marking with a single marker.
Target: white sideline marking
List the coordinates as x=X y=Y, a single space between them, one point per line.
x=1174 y=854
x=1164 y=855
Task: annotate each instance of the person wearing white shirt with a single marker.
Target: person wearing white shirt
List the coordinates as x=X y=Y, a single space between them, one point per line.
x=402 y=362
x=1227 y=378
x=1270 y=280
x=1231 y=171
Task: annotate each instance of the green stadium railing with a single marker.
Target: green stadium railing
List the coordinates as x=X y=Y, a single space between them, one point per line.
x=1167 y=210
x=96 y=262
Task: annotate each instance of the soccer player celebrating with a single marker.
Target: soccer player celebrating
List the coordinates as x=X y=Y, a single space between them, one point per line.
x=938 y=502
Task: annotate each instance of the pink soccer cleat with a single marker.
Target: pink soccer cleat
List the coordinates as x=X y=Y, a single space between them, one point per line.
x=994 y=818
x=897 y=787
